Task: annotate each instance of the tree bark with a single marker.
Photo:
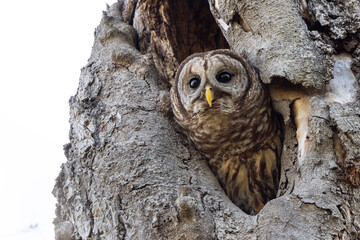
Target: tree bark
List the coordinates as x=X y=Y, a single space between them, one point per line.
x=131 y=174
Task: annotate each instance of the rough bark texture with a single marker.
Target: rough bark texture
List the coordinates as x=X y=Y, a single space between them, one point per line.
x=273 y=36
x=131 y=175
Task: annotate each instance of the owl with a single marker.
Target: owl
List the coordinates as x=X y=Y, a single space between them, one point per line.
x=222 y=106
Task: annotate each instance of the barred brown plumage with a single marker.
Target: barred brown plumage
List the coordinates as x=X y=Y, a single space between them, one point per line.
x=222 y=106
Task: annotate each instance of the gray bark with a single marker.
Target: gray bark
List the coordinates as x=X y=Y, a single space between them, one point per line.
x=130 y=174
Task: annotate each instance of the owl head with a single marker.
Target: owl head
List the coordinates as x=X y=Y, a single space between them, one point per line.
x=215 y=82
x=218 y=97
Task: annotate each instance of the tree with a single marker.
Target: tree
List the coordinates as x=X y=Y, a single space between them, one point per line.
x=130 y=174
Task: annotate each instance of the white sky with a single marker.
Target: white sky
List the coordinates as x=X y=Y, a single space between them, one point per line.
x=43 y=45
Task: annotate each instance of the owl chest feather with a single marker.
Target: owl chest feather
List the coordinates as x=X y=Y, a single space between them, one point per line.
x=232 y=133
x=250 y=179
x=249 y=172
x=244 y=153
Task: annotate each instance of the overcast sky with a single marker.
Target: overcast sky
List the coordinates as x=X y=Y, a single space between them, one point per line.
x=43 y=45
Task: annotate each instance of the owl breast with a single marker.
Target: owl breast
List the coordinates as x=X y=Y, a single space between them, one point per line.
x=225 y=110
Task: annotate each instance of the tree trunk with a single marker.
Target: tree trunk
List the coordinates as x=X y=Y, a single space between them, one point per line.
x=131 y=174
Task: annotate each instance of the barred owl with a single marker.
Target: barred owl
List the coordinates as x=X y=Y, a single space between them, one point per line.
x=223 y=107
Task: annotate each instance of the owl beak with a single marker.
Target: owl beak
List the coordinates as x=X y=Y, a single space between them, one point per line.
x=209 y=94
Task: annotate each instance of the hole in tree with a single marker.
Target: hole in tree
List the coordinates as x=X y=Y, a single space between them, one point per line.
x=195 y=29
x=177 y=29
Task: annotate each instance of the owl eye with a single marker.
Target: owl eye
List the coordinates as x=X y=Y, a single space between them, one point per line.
x=194 y=82
x=223 y=77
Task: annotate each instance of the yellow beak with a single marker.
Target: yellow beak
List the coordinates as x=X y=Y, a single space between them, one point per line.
x=209 y=94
